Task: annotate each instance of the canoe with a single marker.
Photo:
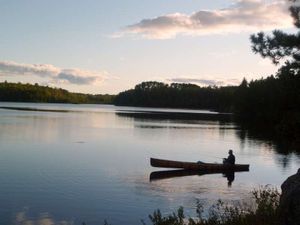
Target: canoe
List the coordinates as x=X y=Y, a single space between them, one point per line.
x=198 y=166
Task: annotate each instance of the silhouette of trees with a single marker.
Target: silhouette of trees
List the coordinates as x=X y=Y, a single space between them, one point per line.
x=276 y=100
x=280 y=45
x=17 y=92
x=177 y=95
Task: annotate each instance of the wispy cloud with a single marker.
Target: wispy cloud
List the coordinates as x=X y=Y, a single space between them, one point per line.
x=242 y=15
x=205 y=82
x=55 y=74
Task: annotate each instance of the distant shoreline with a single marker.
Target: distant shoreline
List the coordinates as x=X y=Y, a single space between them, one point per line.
x=18 y=92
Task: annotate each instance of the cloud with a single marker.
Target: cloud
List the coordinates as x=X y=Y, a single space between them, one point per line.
x=205 y=82
x=243 y=15
x=55 y=74
x=77 y=76
x=44 y=70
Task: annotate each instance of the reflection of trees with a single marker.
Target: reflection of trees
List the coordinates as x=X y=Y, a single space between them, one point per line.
x=187 y=124
x=176 y=116
x=282 y=146
x=284 y=161
x=246 y=133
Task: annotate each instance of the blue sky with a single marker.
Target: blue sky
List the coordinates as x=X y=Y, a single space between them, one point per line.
x=97 y=46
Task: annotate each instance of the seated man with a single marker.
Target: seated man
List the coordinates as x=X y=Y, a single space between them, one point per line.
x=230 y=159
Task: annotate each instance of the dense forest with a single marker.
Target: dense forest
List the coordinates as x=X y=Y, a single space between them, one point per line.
x=271 y=102
x=17 y=92
x=176 y=95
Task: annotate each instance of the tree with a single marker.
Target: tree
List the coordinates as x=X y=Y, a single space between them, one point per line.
x=280 y=45
x=277 y=100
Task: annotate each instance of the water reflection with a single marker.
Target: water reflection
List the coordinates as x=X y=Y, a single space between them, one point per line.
x=286 y=151
x=282 y=145
x=230 y=177
x=23 y=218
x=177 y=116
x=168 y=174
x=248 y=136
x=33 y=109
x=89 y=162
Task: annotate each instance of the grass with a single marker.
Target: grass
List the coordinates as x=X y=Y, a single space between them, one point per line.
x=263 y=212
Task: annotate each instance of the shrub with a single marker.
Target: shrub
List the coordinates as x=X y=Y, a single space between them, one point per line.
x=263 y=212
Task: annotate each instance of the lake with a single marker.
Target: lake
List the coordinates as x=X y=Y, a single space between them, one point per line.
x=68 y=164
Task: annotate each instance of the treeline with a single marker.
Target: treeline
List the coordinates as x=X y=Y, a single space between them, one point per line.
x=273 y=102
x=18 y=92
x=176 y=95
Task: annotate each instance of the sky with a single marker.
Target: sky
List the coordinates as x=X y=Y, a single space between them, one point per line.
x=108 y=46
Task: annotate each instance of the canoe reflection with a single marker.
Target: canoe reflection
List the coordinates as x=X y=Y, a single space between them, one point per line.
x=160 y=175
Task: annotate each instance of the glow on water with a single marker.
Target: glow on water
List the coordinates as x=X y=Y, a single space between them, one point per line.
x=91 y=162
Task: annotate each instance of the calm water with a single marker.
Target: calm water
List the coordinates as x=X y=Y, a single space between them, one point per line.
x=91 y=163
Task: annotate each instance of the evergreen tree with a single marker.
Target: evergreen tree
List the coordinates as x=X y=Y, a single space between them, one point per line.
x=280 y=45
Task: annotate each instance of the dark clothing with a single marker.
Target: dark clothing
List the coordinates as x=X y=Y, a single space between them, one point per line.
x=230 y=159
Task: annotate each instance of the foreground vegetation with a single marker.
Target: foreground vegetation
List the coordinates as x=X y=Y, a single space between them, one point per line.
x=264 y=210
x=17 y=92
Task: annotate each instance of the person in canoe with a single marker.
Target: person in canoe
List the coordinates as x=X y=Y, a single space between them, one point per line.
x=230 y=159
